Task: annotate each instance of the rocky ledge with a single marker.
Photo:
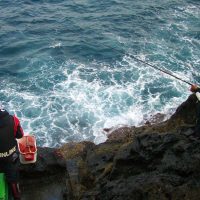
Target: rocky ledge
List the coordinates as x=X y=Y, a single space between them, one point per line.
x=157 y=161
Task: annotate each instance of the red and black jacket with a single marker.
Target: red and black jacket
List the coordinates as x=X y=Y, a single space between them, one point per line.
x=10 y=129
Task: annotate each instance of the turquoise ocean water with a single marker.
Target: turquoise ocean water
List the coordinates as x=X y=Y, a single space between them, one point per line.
x=61 y=76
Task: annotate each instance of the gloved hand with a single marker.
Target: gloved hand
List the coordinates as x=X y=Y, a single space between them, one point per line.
x=194 y=88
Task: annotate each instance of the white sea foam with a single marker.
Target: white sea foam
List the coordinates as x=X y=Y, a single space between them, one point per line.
x=191 y=9
x=77 y=99
x=88 y=99
x=56 y=45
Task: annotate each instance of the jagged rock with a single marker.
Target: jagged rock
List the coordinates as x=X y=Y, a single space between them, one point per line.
x=123 y=134
x=158 y=169
x=72 y=150
x=185 y=113
x=153 y=162
x=45 y=179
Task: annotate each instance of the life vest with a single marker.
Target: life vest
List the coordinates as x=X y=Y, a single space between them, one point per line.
x=7 y=135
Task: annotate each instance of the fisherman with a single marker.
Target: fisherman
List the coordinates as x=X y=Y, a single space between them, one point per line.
x=196 y=90
x=10 y=129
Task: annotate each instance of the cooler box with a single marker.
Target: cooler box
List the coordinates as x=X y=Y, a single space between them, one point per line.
x=3 y=188
x=27 y=149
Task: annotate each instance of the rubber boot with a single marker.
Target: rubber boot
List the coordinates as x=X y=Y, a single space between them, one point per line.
x=15 y=191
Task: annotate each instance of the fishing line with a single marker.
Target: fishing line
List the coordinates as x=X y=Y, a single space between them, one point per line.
x=146 y=63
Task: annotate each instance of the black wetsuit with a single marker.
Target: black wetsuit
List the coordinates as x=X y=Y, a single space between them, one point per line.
x=10 y=129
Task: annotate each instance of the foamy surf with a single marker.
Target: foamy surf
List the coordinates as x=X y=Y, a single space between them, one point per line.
x=86 y=100
x=65 y=85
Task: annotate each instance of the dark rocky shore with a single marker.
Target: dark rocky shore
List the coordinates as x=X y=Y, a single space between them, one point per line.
x=157 y=161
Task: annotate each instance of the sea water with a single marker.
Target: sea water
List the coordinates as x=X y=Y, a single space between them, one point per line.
x=67 y=68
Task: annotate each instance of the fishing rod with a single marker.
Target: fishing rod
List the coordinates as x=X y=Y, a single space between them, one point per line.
x=164 y=71
x=146 y=63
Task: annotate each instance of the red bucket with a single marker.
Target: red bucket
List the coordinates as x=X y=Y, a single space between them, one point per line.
x=27 y=149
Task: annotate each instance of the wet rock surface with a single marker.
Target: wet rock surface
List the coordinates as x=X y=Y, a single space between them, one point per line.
x=45 y=179
x=157 y=161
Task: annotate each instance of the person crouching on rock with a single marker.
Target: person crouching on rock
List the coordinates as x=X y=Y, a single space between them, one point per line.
x=10 y=129
x=196 y=90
